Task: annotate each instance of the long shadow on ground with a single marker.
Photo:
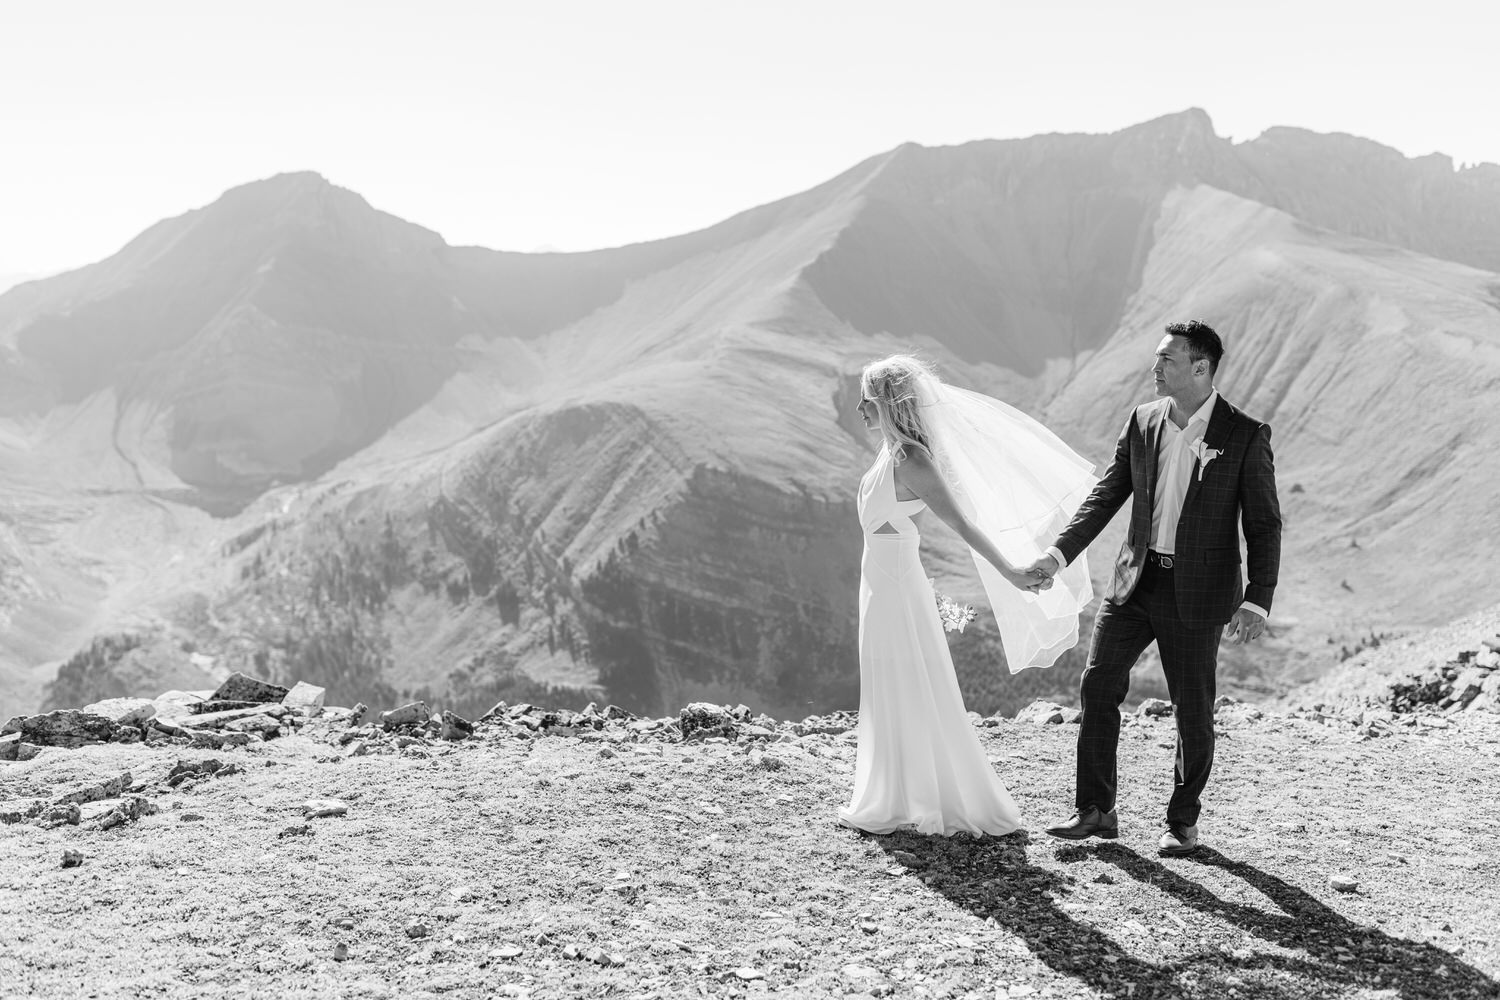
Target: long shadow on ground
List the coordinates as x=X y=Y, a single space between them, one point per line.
x=1330 y=955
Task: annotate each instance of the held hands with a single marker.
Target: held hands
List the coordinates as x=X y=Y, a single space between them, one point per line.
x=1038 y=576
x=1245 y=626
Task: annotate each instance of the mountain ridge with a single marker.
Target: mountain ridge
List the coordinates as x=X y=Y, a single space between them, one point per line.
x=620 y=470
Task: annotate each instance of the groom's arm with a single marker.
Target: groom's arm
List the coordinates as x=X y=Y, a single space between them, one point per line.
x=1107 y=496
x=1260 y=518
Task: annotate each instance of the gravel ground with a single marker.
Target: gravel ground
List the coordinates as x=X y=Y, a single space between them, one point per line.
x=563 y=866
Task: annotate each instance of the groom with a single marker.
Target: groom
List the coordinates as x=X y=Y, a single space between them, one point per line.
x=1194 y=466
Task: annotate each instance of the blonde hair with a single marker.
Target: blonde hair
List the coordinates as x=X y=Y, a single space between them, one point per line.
x=891 y=384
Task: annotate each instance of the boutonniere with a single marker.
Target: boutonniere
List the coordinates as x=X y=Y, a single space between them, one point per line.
x=1205 y=455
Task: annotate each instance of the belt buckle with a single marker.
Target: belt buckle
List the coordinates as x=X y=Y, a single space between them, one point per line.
x=1165 y=562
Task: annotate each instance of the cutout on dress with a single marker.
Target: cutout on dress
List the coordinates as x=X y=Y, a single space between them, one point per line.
x=887 y=529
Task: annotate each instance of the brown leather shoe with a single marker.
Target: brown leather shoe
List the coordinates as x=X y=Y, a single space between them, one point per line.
x=1178 y=840
x=1086 y=823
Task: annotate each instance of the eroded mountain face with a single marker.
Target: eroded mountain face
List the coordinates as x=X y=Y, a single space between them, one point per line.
x=630 y=473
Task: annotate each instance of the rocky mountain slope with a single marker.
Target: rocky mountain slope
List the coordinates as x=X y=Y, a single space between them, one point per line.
x=629 y=473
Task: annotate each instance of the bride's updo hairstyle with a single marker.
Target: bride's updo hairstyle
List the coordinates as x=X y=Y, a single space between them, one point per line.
x=891 y=384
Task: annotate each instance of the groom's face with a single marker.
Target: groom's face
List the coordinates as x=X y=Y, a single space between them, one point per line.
x=1174 y=372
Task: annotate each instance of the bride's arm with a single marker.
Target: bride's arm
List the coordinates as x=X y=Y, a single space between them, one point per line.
x=918 y=474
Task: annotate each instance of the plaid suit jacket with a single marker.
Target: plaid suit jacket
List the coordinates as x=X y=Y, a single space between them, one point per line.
x=1237 y=487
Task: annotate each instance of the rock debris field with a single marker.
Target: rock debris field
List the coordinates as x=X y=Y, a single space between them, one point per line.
x=251 y=841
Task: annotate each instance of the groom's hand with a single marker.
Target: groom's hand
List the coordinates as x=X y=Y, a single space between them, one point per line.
x=1245 y=626
x=1045 y=566
x=1040 y=574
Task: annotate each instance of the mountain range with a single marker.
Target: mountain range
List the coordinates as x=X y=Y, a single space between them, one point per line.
x=291 y=434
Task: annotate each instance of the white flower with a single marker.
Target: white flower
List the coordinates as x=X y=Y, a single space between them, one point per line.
x=1205 y=455
x=953 y=615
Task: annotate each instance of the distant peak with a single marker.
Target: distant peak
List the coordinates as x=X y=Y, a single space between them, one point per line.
x=1192 y=120
x=295 y=181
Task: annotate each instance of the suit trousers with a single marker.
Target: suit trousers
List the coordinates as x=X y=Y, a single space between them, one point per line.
x=1189 y=658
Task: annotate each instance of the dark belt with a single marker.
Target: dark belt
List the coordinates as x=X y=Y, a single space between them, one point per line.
x=1157 y=559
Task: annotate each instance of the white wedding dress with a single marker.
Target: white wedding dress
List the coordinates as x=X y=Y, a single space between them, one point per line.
x=919 y=760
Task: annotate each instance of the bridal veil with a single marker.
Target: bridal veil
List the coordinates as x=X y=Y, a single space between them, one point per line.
x=1019 y=484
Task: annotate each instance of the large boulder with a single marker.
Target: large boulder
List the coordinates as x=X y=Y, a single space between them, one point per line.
x=243 y=687
x=67 y=727
x=124 y=711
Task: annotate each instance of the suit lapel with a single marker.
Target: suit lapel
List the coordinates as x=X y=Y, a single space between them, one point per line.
x=1215 y=437
x=1153 y=446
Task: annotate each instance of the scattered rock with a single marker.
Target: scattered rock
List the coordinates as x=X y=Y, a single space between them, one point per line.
x=1344 y=883
x=305 y=698
x=30 y=810
x=746 y=973
x=414 y=714
x=766 y=762
x=319 y=808
x=296 y=830
x=13 y=748
x=266 y=726
x=1154 y=708
x=218 y=720
x=1042 y=713
x=417 y=929
x=340 y=952
x=61 y=814
x=71 y=859
x=183 y=770
x=701 y=719
x=456 y=727
x=242 y=687
x=218 y=741
x=130 y=809
x=507 y=951
x=103 y=790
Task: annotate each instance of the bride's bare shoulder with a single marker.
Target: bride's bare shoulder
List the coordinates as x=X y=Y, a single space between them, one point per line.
x=917 y=472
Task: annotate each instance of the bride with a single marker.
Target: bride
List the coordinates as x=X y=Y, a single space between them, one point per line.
x=1003 y=482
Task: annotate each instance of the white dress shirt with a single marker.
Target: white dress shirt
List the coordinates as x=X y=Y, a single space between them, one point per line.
x=1174 y=466
x=1174 y=472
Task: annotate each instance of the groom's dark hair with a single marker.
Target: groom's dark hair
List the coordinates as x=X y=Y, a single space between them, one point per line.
x=1203 y=342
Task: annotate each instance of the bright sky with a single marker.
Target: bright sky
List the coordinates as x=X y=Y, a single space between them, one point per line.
x=570 y=124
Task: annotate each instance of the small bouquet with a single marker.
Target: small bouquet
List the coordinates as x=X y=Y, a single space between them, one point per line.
x=953 y=615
